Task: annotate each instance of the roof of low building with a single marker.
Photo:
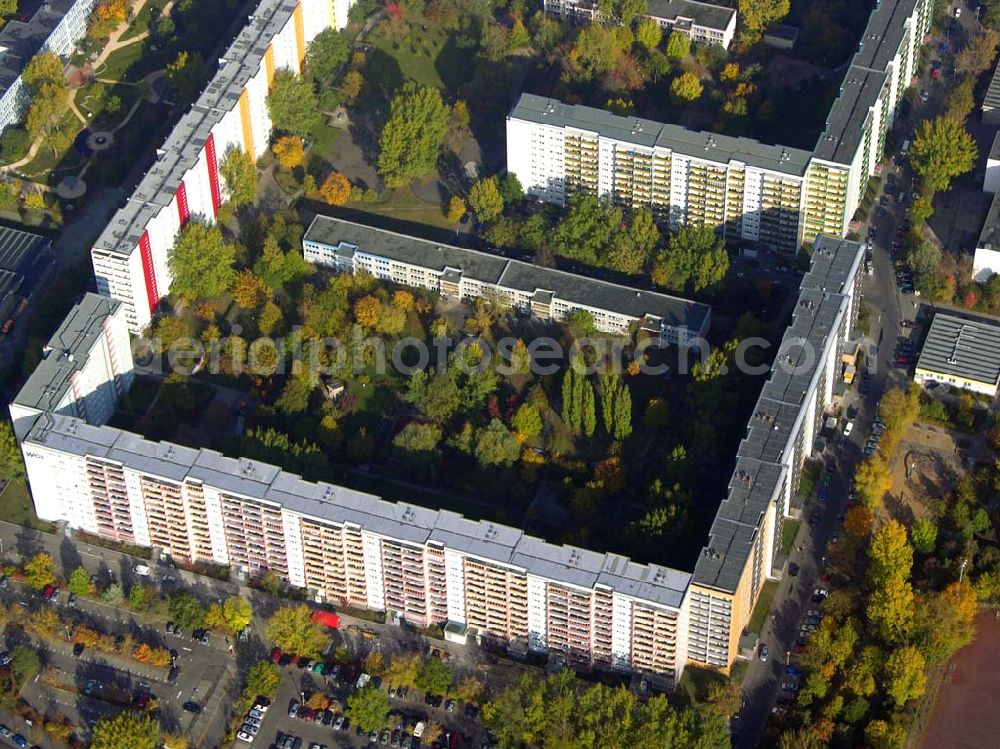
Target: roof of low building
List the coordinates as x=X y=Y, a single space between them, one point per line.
x=962 y=346
x=704 y=14
x=505 y=272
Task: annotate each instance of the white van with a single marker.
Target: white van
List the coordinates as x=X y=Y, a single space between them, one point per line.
x=141 y=570
x=905 y=149
x=418 y=730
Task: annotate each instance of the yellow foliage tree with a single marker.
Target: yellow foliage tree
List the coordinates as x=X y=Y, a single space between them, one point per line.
x=402 y=300
x=289 y=151
x=456 y=209
x=336 y=189
x=249 y=290
x=367 y=311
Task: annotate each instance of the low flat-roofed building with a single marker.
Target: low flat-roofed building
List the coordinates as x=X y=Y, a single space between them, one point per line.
x=468 y=274
x=707 y=23
x=781 y=36
x=24 y=260
x=962 y=351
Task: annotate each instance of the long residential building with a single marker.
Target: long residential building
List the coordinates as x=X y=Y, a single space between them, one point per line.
x=130 y=255
x=706 y=23
x=56 y=26
x=746 y=535
x=777 y=196
x=461 y=273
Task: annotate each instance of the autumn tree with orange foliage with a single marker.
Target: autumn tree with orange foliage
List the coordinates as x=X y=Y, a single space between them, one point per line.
x=858 y=521
x=367 y=311
x=336 y=189
x=249 y=290
x=289 y=151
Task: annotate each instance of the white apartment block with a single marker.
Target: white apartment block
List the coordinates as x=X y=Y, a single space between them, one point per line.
x=130 y=256
x=746 y=534
x=350 y=548
x=86 y=367
x=460 y=273
x=749 y=191
x=57 y=26
x=705 y=23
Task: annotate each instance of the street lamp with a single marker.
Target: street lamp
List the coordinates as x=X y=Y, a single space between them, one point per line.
x=961 y=570
x=788 y=657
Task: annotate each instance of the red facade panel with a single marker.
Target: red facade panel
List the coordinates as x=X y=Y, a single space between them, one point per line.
x=183 y=212
x=213 y=173
x=148 y=271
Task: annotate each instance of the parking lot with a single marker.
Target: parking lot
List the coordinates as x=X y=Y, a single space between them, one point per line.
x=289 y=721
x=86 y=685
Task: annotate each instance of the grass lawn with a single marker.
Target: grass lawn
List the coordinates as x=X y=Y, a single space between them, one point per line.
x=323 y=139
x=142 y=20
x=404 y=205
x=763 y=606
x=694 y=684
x=428 y=55
x=16 y=507
x=809 y=478
x=46 y=159
x=789 y=530
x=120 y=61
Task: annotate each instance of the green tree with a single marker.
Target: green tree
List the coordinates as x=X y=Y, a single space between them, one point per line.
x=495 y=445
x=412 y=137
x=136 y=596
x=588 y=408
x=571 y=398
x=961 y=100
x=292 y=105
x=40 y=571
x=442 y=398
x=402 y=671
x=326 y=53
x=485 y=199
x=587 y=229
x=368 y=709
x=527 y=420
x=24 y=663
x=510 y=189
x=263 y=678
x=79 y=582
x=678 y=45
x=942 y=150
x=695 y=259
x=593 y=53
x=904 y=675
x=201 y=262
x=240 y=175
x=978 y=55
x=127 y=730
x=923 y=535
x=186 y=610
x=648 y=33
x=872 y=480
x=757 y=15
x=49 y=92
x=11 y=460
x=237 y=613
x=186 y=74
x=294 y=631
x=8 y=8
x=434 y=677
x=657 y=414
x=686 y=88
x=295 y=395
x=924 y=259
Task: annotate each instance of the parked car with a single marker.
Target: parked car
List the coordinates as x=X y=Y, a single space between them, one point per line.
x=4 y=658
x=50 y=593
x=293 y=709
x=244 y=736
x=78 y=649
x=192 y=707
x=763 y=653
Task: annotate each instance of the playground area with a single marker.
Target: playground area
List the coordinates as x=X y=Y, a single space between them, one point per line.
x=926 y=468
